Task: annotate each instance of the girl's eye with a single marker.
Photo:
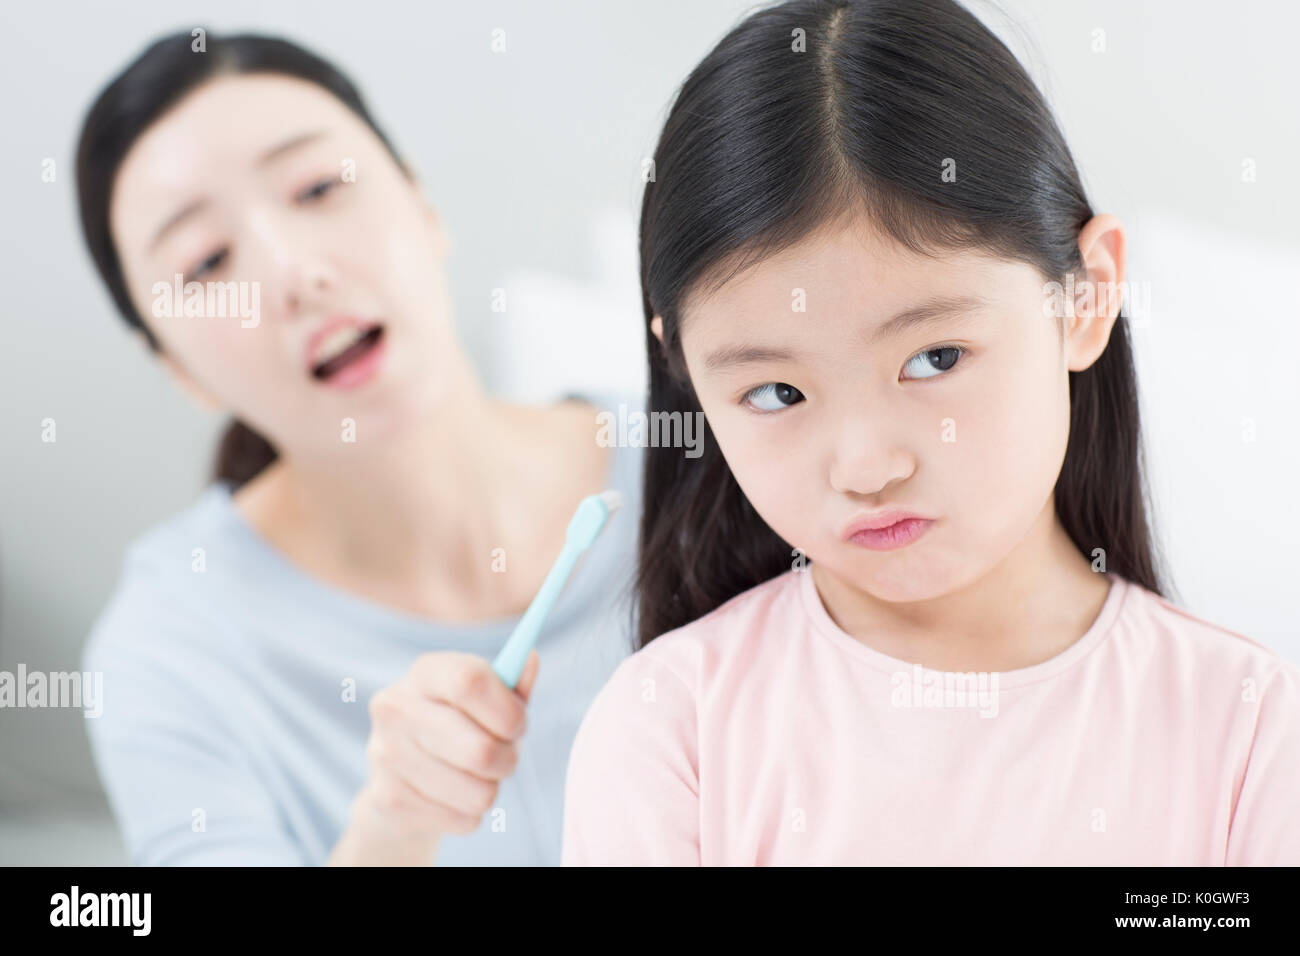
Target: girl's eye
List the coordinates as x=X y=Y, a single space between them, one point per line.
x=317 y=191
x=933 y=362
x=207 y=265
x=772 y=397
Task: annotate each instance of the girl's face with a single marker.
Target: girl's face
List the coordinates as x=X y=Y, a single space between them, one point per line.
x=828 y=402
x=272 y=187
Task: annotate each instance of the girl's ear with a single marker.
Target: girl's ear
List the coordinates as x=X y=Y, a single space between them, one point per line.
x=657 y=327
x=1099 y=293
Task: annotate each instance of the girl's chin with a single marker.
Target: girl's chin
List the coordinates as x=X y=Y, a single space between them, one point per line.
x=896 y=581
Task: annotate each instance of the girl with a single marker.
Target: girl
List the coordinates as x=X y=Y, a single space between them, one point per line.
x=297 y=668
x=905 y=608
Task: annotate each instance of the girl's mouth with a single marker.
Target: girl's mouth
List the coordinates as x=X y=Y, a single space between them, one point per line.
x=897 y=535
x=352 y=356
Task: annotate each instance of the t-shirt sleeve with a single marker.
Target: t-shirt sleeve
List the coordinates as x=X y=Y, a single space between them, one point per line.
x=1265 y=828
x=181 y=786
x=632 y=785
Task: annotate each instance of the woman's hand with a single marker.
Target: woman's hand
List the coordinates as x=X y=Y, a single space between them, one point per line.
x=441 y=740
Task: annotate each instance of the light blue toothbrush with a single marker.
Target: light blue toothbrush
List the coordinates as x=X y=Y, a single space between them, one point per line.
x=584 y=527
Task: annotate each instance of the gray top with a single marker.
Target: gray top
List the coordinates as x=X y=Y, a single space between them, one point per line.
x=236 y=698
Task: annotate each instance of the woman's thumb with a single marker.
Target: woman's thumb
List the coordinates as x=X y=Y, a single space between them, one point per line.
x=526 y=680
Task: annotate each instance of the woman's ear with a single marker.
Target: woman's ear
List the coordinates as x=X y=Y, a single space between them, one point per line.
x=657 y=327
x=193 y=389
x=441 y=240
x=1099 y=294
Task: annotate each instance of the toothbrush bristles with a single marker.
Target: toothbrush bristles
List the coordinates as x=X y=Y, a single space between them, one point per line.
x=613 y=500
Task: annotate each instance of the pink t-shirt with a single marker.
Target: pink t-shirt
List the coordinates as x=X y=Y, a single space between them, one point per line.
x=764 y=734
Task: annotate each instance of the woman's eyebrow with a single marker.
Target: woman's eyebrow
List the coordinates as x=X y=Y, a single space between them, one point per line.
x=180 y=216
x=302 y=139
x=272 y=154
x=930 y=312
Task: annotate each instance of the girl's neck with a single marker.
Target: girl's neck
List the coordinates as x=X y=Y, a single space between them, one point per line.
x=1028 y=609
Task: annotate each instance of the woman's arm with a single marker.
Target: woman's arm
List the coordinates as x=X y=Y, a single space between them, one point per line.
x=367 y=842
x=183 y=792
x=441 y=740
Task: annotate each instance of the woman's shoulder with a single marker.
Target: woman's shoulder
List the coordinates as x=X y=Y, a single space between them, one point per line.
x=609 y=407
x=208 y=513
x=161 y=580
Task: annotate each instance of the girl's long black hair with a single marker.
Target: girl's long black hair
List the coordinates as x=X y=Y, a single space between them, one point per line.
x=158 y=78
x=803 y=111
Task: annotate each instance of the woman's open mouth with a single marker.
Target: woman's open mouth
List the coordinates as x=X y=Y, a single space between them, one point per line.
x=348 y=354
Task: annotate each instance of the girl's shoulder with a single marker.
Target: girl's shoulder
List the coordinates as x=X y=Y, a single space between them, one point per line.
x=703 y=645
x=1175 y=636
x=649 y=707
x=1152 y=633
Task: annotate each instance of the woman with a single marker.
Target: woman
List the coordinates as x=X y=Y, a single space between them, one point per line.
x=297 y=668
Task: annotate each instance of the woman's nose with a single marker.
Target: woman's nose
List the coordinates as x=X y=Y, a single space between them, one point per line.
x=296 y=276
x=295 y=293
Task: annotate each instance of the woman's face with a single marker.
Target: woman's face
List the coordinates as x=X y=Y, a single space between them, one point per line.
x=961 y=416
x=271 y=189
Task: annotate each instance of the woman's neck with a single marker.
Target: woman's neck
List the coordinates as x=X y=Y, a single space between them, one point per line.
x=1029 y=608
x=458 y=518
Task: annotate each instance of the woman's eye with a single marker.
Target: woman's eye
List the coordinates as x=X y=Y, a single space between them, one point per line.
x=207 y=265
x=934 y=362
x=319 y=190
x=772 y=397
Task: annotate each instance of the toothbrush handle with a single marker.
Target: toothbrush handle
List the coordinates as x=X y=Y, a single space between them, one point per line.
x=509 y=663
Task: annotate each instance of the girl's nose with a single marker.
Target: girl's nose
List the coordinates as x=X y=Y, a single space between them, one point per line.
x=868 y=457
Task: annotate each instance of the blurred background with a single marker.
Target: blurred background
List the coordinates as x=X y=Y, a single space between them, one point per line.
x=1181 y=115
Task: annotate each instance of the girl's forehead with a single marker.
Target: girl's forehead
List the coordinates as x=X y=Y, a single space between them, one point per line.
x=847 y=270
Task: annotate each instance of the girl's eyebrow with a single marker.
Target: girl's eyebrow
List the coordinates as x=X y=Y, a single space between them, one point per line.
x=932 y=311
x=275 y=152
x=734 y=356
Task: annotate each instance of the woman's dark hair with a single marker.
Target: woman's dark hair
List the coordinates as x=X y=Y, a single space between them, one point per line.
x=802 y=112
x=159 y=77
